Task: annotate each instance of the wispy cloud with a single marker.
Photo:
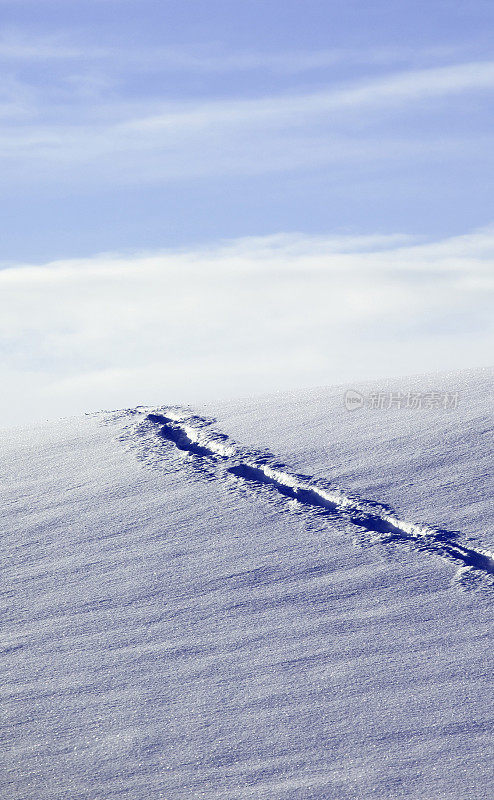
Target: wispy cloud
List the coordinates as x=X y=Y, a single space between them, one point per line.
x=390 y=91
x=18 y=45
x=157 y=139
x=242 y=316
x=206 y=59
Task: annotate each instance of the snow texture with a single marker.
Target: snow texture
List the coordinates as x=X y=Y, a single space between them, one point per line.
x=188 y=616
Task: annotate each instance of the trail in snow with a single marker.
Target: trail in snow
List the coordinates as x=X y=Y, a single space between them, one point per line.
x=194 y=435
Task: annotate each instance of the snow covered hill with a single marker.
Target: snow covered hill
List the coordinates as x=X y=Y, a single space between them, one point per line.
x=272 y=598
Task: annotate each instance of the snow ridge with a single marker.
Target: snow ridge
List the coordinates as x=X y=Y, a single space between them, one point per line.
x=194 y=435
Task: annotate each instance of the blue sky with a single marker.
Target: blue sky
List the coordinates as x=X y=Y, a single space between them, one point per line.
x=138 y=128
x=152 y=124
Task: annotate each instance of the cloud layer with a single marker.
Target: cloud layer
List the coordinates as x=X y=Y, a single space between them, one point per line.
x=85 y=129
x=241 y=317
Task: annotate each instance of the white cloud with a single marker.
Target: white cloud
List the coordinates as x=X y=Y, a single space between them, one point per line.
x=392 y=90
x=17 y=44
x=240 y=317
x=102 y=138
x=208 y=60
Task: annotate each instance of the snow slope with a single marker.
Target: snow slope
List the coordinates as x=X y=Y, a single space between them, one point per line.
x=289 y=602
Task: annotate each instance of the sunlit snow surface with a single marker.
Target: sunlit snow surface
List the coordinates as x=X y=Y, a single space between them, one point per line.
x=175 y=630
